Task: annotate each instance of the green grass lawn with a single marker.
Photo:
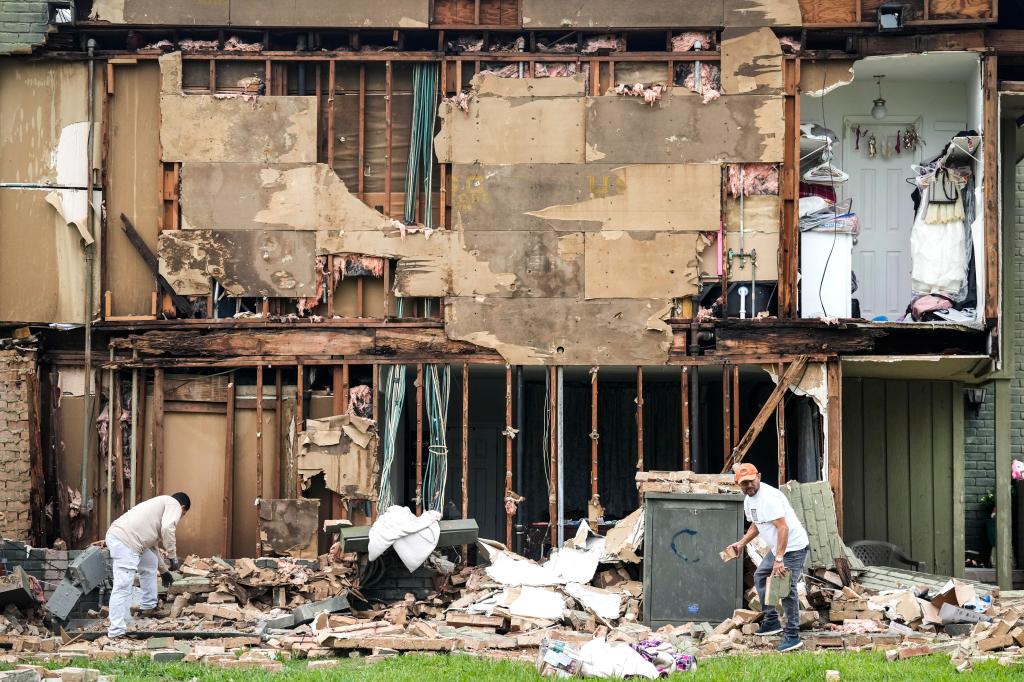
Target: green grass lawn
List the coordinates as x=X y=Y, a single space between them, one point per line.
x=797 y=666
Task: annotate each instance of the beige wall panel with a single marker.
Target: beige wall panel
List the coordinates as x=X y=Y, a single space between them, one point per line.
x=562 y=86
x=230 y=128
x=616 y=14
x=513 y=130
x=641 y=264
x=194 y=464
x=738 y=128
x=766 y=245
x=134 y=180
x=349 y=13
x=751 y=62
x=256 y=196
x=533 y=331
x=760 y=213
x=586 y=197
x=778 y=13
x=184 y=13
x=244 y=534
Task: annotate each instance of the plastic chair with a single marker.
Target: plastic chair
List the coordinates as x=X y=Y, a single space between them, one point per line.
x=878 y=553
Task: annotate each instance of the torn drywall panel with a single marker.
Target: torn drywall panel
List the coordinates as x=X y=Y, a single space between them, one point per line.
x=753 y=13
x=641 y=264
x=738 y=128
x=255 y=196
x=203 y=13
x=813 y=383
x=504 y=130
x=760 y=213
x=818 y=78
x=344 y=449
x=170 y=73
x=511 y=264
x=44 y=122
x=424 y=261
x=647 y=73
x=488 y=84
x=289 y=527
x=348 y=14
x=238 y=128
x=586 y=197
x=751 y=62
x=275 y=263
x=533 y=331
x=566 y=14
x=766 y=244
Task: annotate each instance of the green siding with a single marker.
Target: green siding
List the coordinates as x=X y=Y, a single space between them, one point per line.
x=900 y=471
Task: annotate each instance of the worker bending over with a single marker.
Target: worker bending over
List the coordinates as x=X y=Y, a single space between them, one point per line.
x=772 y=517
x=132 y=540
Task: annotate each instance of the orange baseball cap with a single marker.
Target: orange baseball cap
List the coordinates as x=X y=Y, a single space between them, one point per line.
x=745 y=472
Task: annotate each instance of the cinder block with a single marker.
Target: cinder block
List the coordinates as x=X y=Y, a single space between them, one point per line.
x=307 y=612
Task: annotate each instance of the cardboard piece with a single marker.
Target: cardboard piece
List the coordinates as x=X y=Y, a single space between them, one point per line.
x=344 y=449
x=289 y=527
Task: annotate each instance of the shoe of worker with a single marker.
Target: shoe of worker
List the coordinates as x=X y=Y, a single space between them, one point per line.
x=769 y=629
x=789 y=644
x=155 y=612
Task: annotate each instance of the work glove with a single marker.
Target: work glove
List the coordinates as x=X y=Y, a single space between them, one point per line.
x=174 y=564
x=167 y=579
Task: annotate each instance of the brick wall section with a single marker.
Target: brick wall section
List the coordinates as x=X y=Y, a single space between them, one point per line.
x=16 y=373
x=979 y=426
x=23 y=25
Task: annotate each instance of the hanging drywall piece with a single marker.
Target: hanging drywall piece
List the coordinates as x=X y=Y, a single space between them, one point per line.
x=751 y=62
x=344 y=449
x=289 y=527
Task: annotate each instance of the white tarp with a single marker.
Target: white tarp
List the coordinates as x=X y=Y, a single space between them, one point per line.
x=413 y=537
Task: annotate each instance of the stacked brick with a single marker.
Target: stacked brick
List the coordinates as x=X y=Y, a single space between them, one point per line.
x=16 y=371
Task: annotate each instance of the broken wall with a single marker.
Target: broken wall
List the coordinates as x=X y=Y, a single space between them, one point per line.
x=43 y=161
x=302 y=13
x=17 y=377
x=659 y=13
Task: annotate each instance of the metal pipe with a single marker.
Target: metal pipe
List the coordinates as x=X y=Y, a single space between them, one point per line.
x=89 y=250
x=520 y=445
x=561 y=455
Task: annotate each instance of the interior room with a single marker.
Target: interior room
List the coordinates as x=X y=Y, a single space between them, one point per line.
x=891 y=220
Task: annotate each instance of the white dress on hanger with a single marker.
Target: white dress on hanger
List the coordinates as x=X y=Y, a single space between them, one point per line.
x=939 y=253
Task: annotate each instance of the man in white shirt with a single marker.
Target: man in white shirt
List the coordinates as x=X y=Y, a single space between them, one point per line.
x=772 y=517
x=132 y=540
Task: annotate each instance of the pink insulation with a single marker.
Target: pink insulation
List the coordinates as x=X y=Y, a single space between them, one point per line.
x=686 y=42
x=611 y=43
x=236 y=44
x=710 y=80
x=789 y=44
x=557 y=69
x=360 y=401
x=198 y=45
x=507 y=71
x=649 y=93
x=460 y=101
x=306 y=305
x=758 y=179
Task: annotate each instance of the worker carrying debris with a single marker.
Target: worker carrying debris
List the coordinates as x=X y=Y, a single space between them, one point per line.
x=772 y=517
x=132 y=540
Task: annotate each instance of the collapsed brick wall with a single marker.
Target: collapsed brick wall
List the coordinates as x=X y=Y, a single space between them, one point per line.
x=16 y=373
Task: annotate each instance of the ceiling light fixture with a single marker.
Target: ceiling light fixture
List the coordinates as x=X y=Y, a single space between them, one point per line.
x=879 y=111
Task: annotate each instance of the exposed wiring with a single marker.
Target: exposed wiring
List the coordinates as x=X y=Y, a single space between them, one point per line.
x=438 y=390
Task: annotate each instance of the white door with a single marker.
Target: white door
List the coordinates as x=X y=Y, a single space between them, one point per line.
x=882 y=201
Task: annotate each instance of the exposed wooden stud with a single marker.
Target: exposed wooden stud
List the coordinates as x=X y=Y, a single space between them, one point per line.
x=300 y=424
x=110 y=78
x=229 y=467
x=337 y=391
x=118 y=436
x=213 y=76
x=387 y=287
x=388 y=125
x=780 y=429
x=458 y=77
x=465 y=441
x=442 y=209
x=362 y=133
x=553 y=450
x=138 y=420
x=329 y=285
x=331 y=95
x=789 y=190
x=110 y=440
x=834 y=415
x=359 y=296
x=476 y=12
x=991 y=183
x=726 y=415
x=321 y=147
x=275 y=486
x=158 y=430
x=259 y=444
x=736 y=404
x=594 y=435
x=419 y=438
x=791 y=377
x=266 y=76
x=344 y=388
x=684 y=401
x=376 y=420
x=508 y=454
x=639 y=418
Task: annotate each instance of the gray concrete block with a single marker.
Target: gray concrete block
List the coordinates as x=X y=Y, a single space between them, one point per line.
x=307 y=612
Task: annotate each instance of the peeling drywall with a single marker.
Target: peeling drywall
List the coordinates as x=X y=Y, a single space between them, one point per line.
x=766 y=244
x=736 y=128
x=751 y=62
x=196 y=13
x=777 y=13
x=641 y=264
x=485 y=84
x=245 y=263
x=256 y=196
x=586 y=197
x=512 y=130
x=817 y=79
x=350 y=13
x=343 y=448
x=561 y=331
x=564 y=14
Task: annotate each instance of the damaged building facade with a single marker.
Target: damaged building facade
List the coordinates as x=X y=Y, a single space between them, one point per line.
x=470 y=257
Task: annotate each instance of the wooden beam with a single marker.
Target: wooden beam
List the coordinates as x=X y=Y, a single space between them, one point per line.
x=138 y=432
x=834 y=415
x=639 y=418
x=991 y=189
x=158 y=430
x=331 y=94
x=229 y=468
x=259 y=446
x=362 y=133
x=726 y=415
x=118 y=436
x=275 y=486
x=419 y=438
x=684 y=400
x=791 y=377
x=736 y=404
x=553 y=451
x=300 y=423
x=388 y=125
x=789 y=190
x=508 y=454
x=1004 y=503
x=780 y=430
x=465 y=441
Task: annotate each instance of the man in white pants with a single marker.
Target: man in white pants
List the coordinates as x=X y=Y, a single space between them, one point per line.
x=132 y=540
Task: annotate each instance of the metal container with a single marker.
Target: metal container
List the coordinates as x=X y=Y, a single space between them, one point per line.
x=684 y=577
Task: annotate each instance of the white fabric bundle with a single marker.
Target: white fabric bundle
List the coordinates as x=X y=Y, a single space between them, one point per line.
x=413 y=537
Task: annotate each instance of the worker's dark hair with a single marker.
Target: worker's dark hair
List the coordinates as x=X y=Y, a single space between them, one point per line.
x=183 y=500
